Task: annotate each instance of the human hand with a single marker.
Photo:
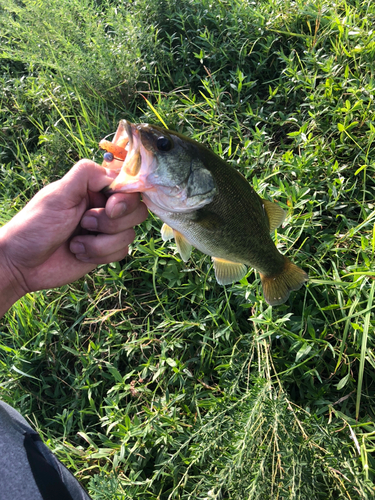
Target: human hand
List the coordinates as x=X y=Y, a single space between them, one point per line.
x=46 y=244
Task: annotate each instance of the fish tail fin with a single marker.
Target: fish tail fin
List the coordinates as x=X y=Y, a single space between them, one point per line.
x=276 y=288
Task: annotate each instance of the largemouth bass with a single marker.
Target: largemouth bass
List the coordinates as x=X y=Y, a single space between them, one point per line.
x=204 y=202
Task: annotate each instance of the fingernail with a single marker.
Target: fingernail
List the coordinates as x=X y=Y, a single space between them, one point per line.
x=83 y=258
x=77 y=247
x=118 y=210
x=89 y=222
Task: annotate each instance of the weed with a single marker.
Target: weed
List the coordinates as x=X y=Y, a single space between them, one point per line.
x=147 y=378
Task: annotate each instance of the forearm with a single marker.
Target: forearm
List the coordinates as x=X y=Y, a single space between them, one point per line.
x=10 y=291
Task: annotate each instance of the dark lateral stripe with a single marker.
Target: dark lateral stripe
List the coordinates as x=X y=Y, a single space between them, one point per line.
x=46 y=477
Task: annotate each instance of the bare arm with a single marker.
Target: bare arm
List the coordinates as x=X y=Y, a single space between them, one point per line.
x=46 y=244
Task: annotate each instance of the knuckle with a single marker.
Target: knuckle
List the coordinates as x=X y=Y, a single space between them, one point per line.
x=107 y=225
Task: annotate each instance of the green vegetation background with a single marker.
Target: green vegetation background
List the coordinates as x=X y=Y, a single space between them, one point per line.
x=146 y=378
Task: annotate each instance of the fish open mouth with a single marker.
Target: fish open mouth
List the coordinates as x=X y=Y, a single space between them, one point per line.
x=133 y=160
x=121 y=149
x=126 y=158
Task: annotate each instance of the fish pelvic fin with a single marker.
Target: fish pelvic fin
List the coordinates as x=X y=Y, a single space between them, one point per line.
x=276 y=289
x=183 y=246
x=227 y=272
x=166 y=232
x=275 y=214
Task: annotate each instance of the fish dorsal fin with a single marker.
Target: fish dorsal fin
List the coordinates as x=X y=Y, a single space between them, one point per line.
x=226 y=271
x=183 y=246
x=166 y=232
x=275 y=214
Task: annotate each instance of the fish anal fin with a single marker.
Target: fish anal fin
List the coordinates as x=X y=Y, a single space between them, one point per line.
x=276 y=289
x=183 y=246
x=166 y=232
x=275 y=214
x=227 y=272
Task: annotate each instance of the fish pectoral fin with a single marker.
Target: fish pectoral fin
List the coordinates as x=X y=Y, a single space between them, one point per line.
x=183 y=246
x=227 y=272
x=166 y=232
x=275 y=214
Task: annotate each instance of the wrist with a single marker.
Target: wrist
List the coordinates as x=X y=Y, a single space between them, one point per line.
x=10 y=289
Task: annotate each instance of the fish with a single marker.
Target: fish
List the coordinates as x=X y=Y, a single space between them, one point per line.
x=204 y=203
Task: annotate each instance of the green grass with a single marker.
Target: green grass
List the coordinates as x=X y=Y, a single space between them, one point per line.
x=147 y=378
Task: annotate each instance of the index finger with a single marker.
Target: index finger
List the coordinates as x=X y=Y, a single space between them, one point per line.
x=119 y=203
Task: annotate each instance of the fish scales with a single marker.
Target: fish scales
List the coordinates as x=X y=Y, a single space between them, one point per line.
x=206 y=203
x=234 y=225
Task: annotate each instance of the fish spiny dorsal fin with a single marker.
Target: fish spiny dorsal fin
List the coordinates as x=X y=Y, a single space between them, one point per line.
x=166 y=232
x=275 y=214
x=183 y=246
x=227 y=272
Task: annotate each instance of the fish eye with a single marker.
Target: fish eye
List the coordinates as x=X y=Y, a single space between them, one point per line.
x=163 y=143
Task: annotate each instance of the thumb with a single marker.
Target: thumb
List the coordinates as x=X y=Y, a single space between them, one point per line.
x=85 y=176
